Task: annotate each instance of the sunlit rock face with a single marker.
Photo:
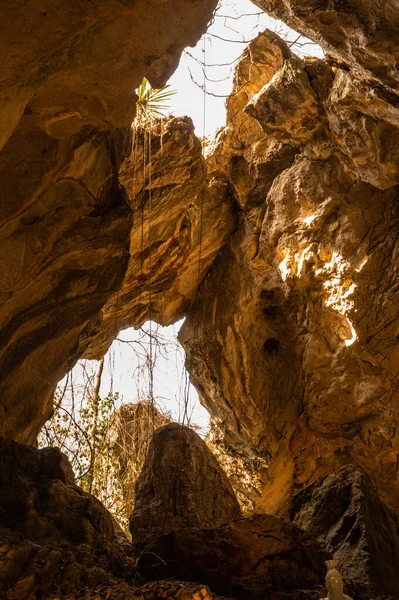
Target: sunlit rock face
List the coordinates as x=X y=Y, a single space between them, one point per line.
x=361 y=33
x=67 y=100
x=182 y=218
x=292 y=342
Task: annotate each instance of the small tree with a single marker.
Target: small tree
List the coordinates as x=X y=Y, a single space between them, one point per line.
x=79 y=425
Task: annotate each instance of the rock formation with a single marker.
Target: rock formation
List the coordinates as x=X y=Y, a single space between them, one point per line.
x=290 y=227
x=280 y=248
x=176 y=209
x=257 y=557
x=58 y=541
x=54 y=536
x=293 y=341
x=344 y=513
x=181 y=485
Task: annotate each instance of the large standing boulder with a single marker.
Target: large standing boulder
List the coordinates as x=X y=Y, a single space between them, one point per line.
x=181 y=485
x=254 y=558
x=345 y=514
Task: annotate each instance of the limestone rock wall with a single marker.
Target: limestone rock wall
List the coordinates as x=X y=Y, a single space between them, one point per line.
x=182 y=218
x=69 y=71
x=293 y=341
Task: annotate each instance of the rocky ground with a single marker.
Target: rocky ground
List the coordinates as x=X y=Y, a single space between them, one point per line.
x=189 y=540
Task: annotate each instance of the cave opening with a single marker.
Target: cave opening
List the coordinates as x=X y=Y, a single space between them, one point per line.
x=106 y=411
x=204 y=78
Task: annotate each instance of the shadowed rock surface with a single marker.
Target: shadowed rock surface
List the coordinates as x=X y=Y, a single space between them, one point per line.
x=56 y=541
x=254 y=558
x=347 y=517
x=181 y=485
x=55 y=538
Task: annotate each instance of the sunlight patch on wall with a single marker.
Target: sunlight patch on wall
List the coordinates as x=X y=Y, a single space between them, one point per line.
x=360 y=267
x=338 y=285
x=309 y=220
x=300 y=257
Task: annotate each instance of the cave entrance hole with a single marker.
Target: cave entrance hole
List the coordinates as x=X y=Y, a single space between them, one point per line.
x=105 y=411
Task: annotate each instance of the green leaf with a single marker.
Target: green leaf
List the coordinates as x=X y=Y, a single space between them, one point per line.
x=151 y=102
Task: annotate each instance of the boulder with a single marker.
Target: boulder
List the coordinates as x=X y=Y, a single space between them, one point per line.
x=345 y=514
x=253 y=558
x=181 y=486
x=54 y=537
x=38 y=500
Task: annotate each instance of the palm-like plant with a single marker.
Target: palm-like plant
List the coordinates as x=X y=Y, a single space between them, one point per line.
x=152 y=103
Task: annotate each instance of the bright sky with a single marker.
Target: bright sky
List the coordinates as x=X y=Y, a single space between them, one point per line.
x=124 y=371
x=236 y=20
